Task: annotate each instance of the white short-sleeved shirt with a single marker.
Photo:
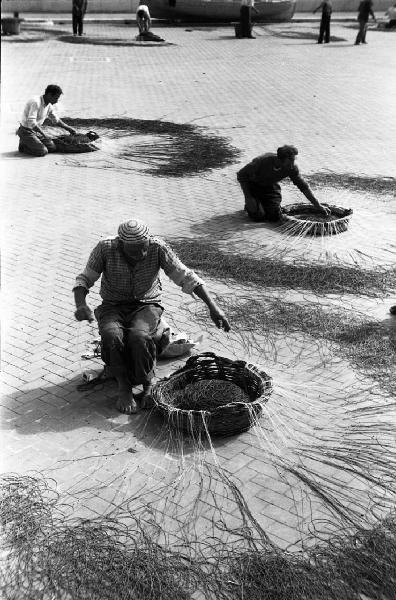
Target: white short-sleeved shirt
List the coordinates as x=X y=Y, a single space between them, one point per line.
x=36 y=111
x=247 y=3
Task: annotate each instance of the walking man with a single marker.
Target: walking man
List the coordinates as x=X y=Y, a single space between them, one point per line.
x=259 y=181
x=32 y=139
x=364 y=12
x=324 y=30
x=129 y=317
x=78 y=13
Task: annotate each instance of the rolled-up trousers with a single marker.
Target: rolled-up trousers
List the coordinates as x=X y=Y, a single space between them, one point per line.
x=361 y=36
x=32 y=142
x=130 y=336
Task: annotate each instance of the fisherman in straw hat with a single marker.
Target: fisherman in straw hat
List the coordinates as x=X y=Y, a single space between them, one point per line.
x=129 y=317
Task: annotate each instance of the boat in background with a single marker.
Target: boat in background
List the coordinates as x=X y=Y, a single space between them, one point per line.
x=272 y=11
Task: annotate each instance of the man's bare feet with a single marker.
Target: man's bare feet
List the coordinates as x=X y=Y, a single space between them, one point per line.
x=126 y=402
x=144 y=398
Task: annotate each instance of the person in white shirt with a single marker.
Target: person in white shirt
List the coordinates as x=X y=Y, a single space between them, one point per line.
x=143 y=18
x=32 y=139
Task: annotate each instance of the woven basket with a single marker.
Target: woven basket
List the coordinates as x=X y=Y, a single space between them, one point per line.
x=228 y=419
x=76 y=143
x=302 y=219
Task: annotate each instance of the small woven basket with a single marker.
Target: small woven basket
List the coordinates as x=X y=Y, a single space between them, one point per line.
x=305 y=219
x=227 y=419
x=76 y=143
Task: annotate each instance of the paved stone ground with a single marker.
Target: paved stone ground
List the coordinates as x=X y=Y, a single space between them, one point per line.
x=334 y=102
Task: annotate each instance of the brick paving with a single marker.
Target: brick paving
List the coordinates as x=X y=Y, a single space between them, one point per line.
x=334 y=102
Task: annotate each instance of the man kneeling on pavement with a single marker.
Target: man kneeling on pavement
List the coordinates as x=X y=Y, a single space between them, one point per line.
x=259 y=181
x=129 y=317
x=32 y=139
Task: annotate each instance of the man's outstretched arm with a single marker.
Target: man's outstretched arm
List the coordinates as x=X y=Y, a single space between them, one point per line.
x=216 y=314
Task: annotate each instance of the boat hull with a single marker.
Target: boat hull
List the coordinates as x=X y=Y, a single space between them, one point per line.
x=220 y=11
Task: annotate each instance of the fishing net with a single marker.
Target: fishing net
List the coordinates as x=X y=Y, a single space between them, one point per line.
x=213 y=394
x=76 y=143
x=305 y=219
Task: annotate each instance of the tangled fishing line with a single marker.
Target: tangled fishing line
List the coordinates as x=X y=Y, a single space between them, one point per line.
x=108 y=558
x=174 y=150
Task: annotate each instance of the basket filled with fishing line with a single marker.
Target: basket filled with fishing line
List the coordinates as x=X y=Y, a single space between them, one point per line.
x=306 y=219
x=76 y=143
x=213 y=394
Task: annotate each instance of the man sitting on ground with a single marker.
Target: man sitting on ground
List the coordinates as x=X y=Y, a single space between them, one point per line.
x=32 y=138
x=259 y=182
x=129 y=317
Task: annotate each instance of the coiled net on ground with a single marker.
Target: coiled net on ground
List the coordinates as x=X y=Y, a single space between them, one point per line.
x=51 y=556
x=209 y=257
x=208 y=394
x=179 y=150
x=114 y=558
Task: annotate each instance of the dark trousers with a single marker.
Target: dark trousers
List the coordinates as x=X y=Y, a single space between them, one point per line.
x=31 y=142
x=130 y=334
x=361 y=36
x=78 y=24
x=245 y=21
x=324 y=30
x=269 y=199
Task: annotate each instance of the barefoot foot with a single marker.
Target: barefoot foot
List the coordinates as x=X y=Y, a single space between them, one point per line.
x=126 y=403
x=144 y=398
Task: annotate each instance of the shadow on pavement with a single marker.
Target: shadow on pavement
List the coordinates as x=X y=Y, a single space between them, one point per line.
x=229 y=223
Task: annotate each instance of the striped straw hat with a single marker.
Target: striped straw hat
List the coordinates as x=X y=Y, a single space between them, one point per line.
x=133 y=232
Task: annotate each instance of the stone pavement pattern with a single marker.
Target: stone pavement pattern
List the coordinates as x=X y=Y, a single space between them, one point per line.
x=334 y=102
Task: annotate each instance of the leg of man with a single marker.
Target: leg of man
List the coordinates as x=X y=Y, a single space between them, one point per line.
x=359 y=36
x=269 y=202
x=112 y=333
x=244 y=19
x=141 y=349
x=75 y=23
x=30 y=143
x=364 y=32
x=327 y=30
x=321 y=31
x=80 y=25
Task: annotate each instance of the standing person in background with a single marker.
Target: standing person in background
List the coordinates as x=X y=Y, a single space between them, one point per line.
x=324 y=30
x=143 y=18
x=364 y=12
x=78 y=13
x=246 y=18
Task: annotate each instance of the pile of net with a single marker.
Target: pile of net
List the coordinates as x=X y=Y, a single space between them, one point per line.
x=76 y=143
x=48 y=555
x=208 y=394
x=306 y=219
x=148 y=36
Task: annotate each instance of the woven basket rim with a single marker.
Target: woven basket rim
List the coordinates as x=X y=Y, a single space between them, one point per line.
x=253 y=369
x=289 y=216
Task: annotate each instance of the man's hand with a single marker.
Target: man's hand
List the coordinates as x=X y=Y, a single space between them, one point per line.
x=219 y=319
x=84 y=313
x=324 y=209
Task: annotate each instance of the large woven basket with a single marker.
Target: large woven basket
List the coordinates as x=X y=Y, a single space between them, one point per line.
x=76 y=143
x=305 y=219
x=228 y=419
